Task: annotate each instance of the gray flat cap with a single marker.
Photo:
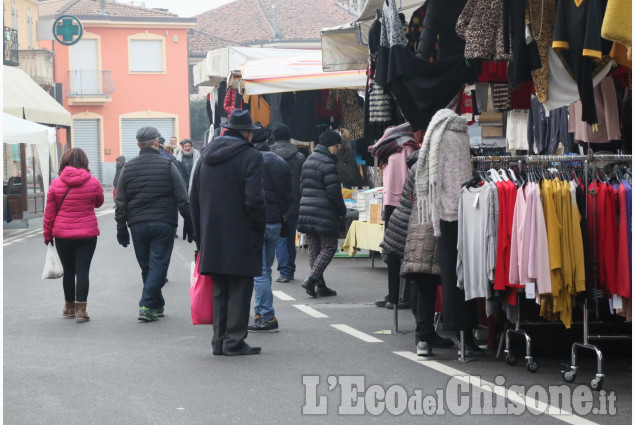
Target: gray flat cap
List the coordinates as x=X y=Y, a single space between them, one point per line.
x=147 y=133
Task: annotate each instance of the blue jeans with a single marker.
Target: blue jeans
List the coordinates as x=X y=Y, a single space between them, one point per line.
x=262 y=283
x=285 y=251
x=153 y=242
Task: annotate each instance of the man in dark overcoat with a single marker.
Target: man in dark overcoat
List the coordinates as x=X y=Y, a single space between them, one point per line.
x=228 y=212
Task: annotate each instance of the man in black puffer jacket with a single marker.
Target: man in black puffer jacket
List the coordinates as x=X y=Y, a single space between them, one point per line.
x=285 y=252
x=149 y=192
x=276 y=181
x=321 y=209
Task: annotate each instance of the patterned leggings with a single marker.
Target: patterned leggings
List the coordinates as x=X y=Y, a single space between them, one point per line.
x=321 y=251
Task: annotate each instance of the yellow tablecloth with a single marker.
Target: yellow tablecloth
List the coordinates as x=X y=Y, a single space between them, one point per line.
x=362 y=235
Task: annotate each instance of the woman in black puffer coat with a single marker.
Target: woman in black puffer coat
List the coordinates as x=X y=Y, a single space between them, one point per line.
x=321 y=208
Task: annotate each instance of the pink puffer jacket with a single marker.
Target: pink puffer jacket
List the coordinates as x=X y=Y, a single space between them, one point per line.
x=76 y=218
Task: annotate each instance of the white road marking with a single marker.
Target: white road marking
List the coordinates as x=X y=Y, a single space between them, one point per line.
x=21 y=236
x=282 y=296
x=513 y=396
x=100 y=213
x=357 y=334
x=310 y=311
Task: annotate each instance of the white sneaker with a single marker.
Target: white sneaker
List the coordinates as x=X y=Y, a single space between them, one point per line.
x=424 y=349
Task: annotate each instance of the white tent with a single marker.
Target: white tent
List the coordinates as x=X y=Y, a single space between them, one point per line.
x=346 y=47
x=16 y=130
x=220 y=63
x=24 y=98
x=296 y=73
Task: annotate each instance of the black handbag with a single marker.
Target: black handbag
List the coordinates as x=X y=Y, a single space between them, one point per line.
x=284 y=230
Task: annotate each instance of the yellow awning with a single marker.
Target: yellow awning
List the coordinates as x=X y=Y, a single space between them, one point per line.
x=24 y=98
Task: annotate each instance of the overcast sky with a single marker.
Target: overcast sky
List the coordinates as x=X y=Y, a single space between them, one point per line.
x=183 y=8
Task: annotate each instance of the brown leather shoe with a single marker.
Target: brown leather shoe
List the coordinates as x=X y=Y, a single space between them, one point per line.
x=80 y=312
x=69 y=309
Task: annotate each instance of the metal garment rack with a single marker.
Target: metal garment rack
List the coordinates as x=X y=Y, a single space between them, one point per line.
x=587 y=160
x=569 y=373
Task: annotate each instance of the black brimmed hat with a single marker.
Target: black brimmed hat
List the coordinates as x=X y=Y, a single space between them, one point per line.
x=240 y=120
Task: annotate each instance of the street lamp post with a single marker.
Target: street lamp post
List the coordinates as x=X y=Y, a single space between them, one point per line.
x=276 y=36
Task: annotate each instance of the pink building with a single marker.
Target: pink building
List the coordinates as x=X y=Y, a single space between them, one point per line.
x=129 y=70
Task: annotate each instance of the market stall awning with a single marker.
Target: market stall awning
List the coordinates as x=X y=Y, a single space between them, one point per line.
x=297 y=73
x=219 y=63
x=346 y=47
x=17 y=130
x=24 y=98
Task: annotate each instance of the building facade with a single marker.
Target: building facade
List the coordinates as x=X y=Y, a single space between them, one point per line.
x=128 y=70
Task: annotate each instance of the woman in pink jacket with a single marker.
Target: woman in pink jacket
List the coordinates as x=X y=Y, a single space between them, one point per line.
x=70 y=218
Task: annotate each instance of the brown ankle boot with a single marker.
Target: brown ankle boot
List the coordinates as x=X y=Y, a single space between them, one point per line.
x=80 y=312
x=69 y=309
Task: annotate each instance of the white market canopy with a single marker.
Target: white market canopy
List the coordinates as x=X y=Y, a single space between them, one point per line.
x=346 y=47
x=220 y=63
x=24 y=98
x=296 y=73
x=16 y=130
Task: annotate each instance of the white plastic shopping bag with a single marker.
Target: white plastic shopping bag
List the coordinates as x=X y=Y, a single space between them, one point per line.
x=52 y=266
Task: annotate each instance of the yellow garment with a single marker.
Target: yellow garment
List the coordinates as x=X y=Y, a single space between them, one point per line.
x=362 y=235
x=618 y=22
x=563 y=304
x=259 y=109
x=347 y=193
x=547 y=197
x=579 y=275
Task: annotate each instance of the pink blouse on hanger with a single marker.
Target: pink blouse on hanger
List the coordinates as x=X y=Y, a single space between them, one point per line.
x=529 y=262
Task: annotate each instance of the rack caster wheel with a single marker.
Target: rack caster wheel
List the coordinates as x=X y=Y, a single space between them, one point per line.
x=532 y=367
x=596 y=384
x=568 y=376
x=511 y=359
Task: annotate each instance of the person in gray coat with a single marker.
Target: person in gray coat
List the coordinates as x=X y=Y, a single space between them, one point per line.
x=414 y=247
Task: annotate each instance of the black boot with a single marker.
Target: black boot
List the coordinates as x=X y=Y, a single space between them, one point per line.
x=325 y=291
x=309 y=286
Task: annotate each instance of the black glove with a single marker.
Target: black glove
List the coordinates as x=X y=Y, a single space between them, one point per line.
x=123 y=237
x=49 y=242
x=188 y=230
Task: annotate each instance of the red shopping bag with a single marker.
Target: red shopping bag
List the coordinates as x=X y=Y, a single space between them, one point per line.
x=201 y=296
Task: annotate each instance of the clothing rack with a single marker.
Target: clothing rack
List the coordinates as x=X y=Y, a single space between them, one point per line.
x=587 y=161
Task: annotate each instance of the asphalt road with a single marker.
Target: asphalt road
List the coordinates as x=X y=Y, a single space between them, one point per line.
x=116 y=370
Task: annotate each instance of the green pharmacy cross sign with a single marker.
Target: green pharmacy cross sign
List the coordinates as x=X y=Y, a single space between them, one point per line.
x=67 y=30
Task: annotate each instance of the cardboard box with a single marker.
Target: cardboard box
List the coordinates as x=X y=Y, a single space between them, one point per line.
x=491 y=116
x=491 y=131
x=375 y=214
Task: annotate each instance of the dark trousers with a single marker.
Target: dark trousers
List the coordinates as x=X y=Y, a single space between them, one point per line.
x=285 y=251
x=153 y=242
x=76 y=255
x=321 y=251
x=424 y=299
x=457 y=313
x=394 y=267
x=232 y=296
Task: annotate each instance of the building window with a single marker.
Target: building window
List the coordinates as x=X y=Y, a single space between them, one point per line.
x=29 y=26
x=146 y=56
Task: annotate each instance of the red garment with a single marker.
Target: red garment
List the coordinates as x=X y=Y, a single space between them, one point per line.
x=623 y=275
x=76 y=218
x=507 y=204
x=230 y=101
x=602 y=238
x=521 y=97
x=493 y=72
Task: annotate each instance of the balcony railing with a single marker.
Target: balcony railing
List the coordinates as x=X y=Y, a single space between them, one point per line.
x=10 y=46
x=90 y=84
x=38 y=64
